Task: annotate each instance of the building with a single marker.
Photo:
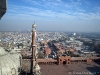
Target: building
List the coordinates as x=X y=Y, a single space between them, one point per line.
x=61 y=66
x=30 y=65
x=10 y=62
x=47 y=51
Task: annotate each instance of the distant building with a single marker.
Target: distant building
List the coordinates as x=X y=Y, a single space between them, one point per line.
x=47 y=51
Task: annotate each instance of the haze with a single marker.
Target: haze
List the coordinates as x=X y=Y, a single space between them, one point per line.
x=52 y=15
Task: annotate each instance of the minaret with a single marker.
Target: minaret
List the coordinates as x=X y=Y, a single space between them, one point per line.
x=35 y=69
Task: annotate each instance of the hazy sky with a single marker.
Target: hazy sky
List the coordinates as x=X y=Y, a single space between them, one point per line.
x=52 y=15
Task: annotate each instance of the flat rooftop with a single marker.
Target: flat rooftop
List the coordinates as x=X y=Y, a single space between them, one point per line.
x=71 y=69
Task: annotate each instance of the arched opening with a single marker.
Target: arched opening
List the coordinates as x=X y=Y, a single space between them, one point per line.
x=68 y=63
x=68 y=59
x=64 y=62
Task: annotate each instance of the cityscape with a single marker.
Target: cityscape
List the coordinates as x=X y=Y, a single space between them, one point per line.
x=31 y=47
x=81 y=48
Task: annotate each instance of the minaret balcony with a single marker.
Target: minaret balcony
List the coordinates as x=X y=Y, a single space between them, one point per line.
x=34 y=45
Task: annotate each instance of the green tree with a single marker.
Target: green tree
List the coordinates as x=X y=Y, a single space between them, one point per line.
x=40 y=54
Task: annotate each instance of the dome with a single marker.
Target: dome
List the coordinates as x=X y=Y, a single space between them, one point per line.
x=2 y=51
x=37 y=67
x=9 y=64
x=34 y=25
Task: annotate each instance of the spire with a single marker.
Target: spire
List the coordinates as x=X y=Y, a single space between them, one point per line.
x=34 y=27
x=35 y=67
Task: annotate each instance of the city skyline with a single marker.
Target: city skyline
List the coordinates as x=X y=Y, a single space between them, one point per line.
x=52 y=15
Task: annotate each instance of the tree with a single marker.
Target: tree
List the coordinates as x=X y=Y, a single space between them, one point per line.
x=72 y=54
x=50 y=44
x=40 y=54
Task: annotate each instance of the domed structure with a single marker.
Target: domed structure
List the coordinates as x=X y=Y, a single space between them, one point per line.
x=2 y=51
x=37 y=70
x=34 y=25
x=37 y=67
x=9 y=63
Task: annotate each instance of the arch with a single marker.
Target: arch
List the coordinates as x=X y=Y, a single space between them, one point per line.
x=64 y=62
x=68 y=63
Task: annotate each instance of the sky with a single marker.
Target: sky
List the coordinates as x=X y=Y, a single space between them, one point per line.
x=52 y=15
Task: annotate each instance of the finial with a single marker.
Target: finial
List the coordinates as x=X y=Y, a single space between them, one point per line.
x=34 y=25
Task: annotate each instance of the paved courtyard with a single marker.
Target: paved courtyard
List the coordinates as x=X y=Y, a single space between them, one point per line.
x=71 y=69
